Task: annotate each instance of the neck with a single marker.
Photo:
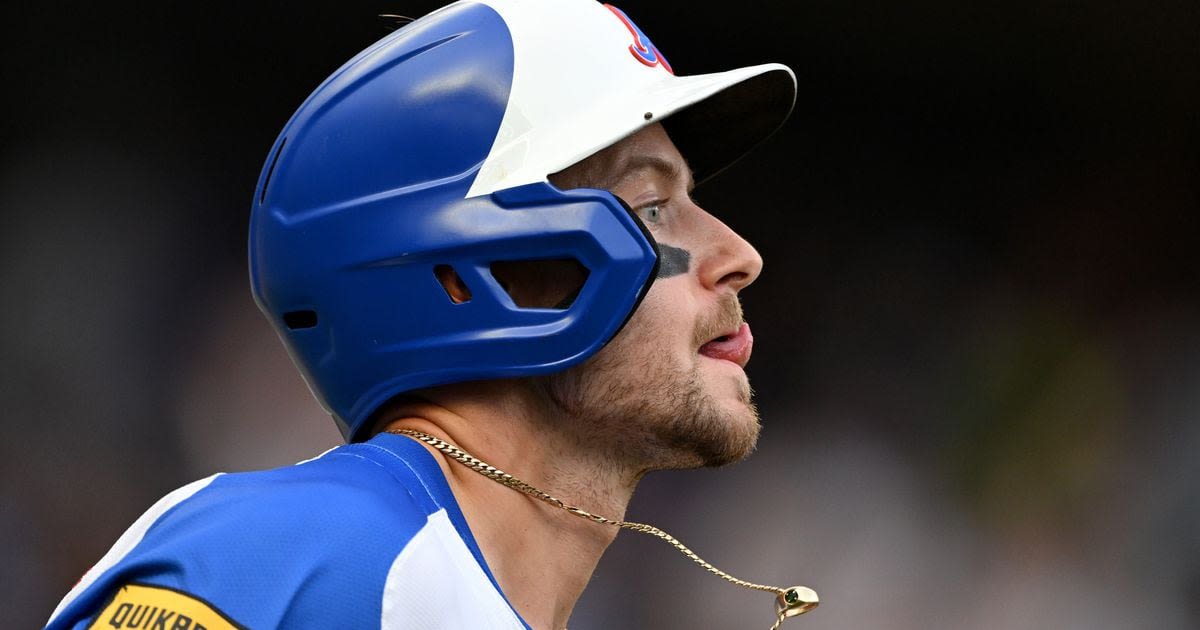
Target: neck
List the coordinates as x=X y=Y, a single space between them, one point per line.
x=541 y=555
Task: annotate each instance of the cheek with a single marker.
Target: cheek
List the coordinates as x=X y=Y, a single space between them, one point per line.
x=666 y=318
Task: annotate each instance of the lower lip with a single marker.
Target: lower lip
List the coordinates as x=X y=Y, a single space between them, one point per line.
x=736 y=349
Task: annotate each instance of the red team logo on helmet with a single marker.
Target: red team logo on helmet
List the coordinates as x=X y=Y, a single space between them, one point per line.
x=642 y=48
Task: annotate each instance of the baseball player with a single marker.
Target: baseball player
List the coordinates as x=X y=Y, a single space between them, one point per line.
x=477 y=241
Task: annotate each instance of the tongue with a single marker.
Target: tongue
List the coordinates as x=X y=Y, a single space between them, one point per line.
x=735 y=348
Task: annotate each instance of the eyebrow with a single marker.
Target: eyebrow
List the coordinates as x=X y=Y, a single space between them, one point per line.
x=636 y=163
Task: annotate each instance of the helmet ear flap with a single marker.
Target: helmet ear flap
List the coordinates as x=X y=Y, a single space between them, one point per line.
x=411 y=292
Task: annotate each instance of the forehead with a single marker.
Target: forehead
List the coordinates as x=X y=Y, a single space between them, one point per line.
x=650 y=150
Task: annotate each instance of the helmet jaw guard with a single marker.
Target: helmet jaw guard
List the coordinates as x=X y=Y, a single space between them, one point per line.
x=382 y=322
x=427 y=150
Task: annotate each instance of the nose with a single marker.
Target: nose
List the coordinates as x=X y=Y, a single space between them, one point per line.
x=729 y=263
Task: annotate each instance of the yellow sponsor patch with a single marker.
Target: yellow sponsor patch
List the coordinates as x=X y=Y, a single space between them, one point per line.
x=157 y=608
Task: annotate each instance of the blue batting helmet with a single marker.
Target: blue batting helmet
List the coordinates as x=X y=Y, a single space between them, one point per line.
x=431 y=150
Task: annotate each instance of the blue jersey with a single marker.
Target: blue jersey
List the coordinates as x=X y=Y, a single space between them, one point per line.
x=365 y=536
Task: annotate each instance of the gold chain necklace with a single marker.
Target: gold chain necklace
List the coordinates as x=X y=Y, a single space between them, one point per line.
x=789 y=602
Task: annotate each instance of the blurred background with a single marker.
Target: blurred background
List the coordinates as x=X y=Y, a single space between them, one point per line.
x=978 y=357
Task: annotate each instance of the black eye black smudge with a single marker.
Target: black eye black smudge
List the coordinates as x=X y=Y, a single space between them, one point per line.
x=672 y=261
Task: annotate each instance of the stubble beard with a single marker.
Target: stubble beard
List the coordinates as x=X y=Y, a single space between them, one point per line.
x=642 y=410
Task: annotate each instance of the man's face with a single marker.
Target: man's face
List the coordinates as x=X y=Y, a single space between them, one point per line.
x=669 y=391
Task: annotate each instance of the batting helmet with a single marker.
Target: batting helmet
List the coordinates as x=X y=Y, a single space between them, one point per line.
x=430 y=150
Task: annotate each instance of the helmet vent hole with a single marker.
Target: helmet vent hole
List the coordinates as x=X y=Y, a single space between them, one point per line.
x=452 y=284
x=552 y=284
x=299 y=320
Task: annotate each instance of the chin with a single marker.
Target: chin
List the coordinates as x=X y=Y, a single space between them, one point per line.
x=651 y=414
x=709 y=432
x=724 y=423
x=740 y=429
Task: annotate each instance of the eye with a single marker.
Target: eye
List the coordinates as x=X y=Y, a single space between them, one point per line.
x=651 y=213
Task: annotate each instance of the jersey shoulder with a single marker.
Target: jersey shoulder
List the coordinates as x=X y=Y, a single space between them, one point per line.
x=309 y=545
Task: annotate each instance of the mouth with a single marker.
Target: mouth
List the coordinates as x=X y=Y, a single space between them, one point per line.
x=734 y=346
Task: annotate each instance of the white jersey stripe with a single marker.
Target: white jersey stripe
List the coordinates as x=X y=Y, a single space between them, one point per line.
x=436 y=584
